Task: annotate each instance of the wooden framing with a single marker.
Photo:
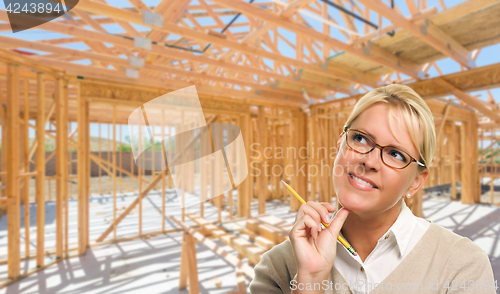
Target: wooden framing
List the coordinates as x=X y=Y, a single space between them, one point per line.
x=13 y=166
x=279 y=100
x=40 y=164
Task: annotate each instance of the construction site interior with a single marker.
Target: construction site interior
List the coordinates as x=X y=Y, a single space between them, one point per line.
x=80 y=215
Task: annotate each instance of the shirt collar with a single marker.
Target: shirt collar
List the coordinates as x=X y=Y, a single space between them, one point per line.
x=402 y=229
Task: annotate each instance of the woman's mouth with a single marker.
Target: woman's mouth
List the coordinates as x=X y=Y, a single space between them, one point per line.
x=360 y=183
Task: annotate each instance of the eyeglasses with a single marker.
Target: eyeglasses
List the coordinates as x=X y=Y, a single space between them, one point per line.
x=391 y=156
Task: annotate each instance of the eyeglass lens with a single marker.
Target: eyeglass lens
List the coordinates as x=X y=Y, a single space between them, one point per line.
x=390 y=155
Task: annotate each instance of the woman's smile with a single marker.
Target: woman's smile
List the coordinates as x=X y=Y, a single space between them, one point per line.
x=360 y=183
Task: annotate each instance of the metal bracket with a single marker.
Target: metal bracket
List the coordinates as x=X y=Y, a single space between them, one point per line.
x=136 y=61
x=366 y=49
x=421 y=75
x=143 y=43
x=472 y=63
x=132 y=73
x=152 y=18
x=353 y=91
x=423 y=26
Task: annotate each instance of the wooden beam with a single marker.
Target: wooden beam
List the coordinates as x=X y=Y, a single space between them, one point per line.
x=427 y=32
x=263 y=189
x=13 y=167
x=476 y=79
x=292 y=8
x=61 y=162
x=159 y=68
x=439 y=134
x=413 y=18
x=11 y=57
x=349 y=20
x=26 y=168
x=242 y=246
x=112 y=75
x=208 y=38
x=139 y=5
x=231 y=259
x=184 y=266
x=83 y=175
x=40 y=167
x=190 y=247
x=453 y=161
x=167 y=52
x=465 y=170
x=383 y=57
x=468 y=99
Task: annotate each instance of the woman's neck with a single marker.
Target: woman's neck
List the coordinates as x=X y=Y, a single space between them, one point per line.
x=363 y=231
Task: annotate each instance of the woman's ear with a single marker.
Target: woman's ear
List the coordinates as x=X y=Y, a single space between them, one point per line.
x=417 y=183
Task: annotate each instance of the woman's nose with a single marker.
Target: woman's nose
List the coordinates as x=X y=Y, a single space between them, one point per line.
x=372 y=160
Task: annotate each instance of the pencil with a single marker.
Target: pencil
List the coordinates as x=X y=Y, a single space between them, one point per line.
x=342 y=240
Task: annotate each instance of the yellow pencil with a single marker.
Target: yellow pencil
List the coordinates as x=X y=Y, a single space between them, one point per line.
x=342 y=240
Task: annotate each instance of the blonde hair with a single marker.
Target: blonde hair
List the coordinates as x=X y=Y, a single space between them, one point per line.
x=415 y=112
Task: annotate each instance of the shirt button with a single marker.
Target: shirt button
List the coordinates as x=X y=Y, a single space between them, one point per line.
x=386 y=236
x=362 y=269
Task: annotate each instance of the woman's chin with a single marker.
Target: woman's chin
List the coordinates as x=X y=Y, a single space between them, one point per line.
x=354 y=203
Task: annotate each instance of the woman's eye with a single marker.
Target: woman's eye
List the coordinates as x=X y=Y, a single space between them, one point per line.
x=397 y=155
x=360 y=139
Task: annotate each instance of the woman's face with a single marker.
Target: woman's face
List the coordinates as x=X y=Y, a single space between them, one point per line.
x=388 y=185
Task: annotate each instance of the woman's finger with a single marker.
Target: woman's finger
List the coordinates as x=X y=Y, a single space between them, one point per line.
x=303 y=227
x=310 y=223
x=338 y=221
x=312 y=212
x=322 y=210
x=329 y=206
x=300 y=212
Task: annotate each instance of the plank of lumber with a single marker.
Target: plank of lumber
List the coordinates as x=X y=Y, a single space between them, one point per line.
x=242 y=246
x=432 y=35
x=267 y=231
x=265 y=243
x=40 y=166
x=4 y=201
x=192 y=262
x=468 y=99
x=13 y=166
x=115 y=60
x=136 y=18
x=161 y=50
x=129 y=208
x=230 y=258
x=383 y=57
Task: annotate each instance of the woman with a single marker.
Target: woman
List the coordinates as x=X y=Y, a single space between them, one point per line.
x=383 y=156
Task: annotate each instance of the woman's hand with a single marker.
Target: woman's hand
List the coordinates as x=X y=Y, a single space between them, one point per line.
x=315 y=248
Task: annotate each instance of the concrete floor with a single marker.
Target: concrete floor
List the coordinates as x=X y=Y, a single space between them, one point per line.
x=152 y=265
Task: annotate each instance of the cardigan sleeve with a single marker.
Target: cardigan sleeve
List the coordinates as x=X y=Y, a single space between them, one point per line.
x=273 y=272
x=470 y=271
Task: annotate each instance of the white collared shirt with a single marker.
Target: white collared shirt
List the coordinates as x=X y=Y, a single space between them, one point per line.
x=390 y=250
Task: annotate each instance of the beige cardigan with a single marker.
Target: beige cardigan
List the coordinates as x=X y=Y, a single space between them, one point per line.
x=438 y=257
